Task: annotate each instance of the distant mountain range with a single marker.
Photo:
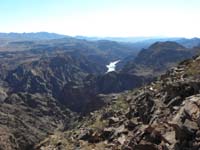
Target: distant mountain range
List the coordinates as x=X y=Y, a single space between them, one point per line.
x=128 y=39
x=137 y=40
x=32 y=36
x=147 y=41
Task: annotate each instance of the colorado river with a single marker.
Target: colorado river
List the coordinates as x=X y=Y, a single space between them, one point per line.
x=111 y=66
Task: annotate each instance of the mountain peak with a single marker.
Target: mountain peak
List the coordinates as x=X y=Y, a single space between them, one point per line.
x=166 y=45
x=32 y=35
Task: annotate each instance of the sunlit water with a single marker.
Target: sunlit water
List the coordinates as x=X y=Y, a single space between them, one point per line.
x=111 y=66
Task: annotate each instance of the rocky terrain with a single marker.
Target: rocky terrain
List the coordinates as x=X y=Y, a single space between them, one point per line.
x=57 y=94
x=30 y=95
x=163 y=115
x=46 y=88
x=28 y=118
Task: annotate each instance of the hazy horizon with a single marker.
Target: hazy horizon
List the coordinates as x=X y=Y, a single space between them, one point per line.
x=102 y=37
x=102 y=18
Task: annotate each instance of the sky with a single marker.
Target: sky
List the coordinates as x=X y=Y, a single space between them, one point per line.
x=103 y=18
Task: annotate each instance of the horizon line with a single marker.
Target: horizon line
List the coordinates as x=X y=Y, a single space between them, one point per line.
x=96 y=36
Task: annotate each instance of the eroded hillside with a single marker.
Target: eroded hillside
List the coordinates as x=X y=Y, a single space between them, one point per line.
x=162 y=115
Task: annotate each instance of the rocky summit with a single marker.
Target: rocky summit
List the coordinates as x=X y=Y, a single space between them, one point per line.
x=163 y=115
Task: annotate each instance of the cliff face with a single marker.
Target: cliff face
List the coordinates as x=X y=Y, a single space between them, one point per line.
x=83 y=98
x=162 y=115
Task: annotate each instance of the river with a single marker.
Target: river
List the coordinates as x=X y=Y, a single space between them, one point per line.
x=112 y=65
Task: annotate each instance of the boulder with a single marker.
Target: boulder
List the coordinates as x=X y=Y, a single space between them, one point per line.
x=113 y=120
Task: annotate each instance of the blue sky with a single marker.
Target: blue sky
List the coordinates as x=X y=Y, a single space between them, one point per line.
x=102 y=17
